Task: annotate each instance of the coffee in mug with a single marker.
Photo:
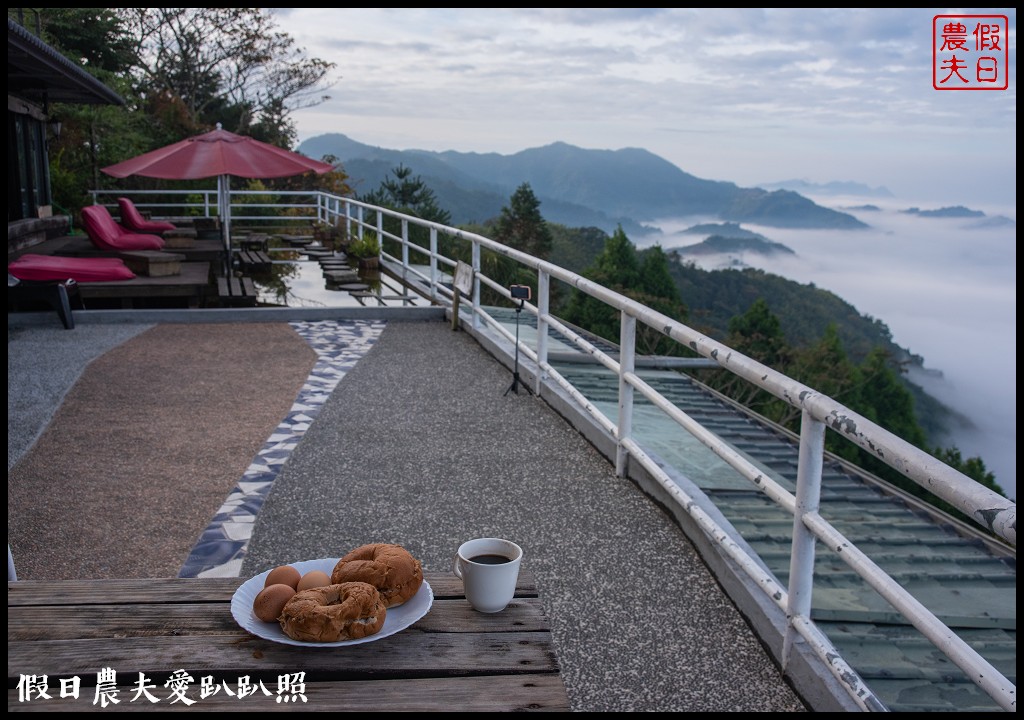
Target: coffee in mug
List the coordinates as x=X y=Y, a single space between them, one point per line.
x=489 y=570
x=490 y=559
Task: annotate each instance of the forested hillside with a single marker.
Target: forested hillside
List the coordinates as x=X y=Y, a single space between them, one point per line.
x=804 y=331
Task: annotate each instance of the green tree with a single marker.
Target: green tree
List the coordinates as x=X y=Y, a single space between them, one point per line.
x=973 y=467
x=181 y=70
x=884 y=399
x=408 y=195
x=658 y=291
x=95 y=38
x=575 y=248
x=227 y=65
x=616 y=268
x=826 y=368
x=757 y=333
x=522 y=226
x=644 y=278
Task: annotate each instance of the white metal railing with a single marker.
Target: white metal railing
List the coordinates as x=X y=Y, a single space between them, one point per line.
x=275 y=207
x=819 y=414
x=201 y=203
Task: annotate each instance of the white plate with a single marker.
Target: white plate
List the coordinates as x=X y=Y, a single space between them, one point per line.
x=396 y=620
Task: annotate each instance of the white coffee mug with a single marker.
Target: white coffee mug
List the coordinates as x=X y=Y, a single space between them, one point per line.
x=489 y=570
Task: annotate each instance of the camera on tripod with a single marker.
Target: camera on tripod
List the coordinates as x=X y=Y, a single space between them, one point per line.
x=520 y=292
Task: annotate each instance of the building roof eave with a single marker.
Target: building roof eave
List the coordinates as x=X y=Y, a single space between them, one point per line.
x=37 y=72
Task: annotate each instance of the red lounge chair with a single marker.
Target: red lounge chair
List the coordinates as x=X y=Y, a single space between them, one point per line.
x=106 y=234
x=44 y=268
x=132 y=219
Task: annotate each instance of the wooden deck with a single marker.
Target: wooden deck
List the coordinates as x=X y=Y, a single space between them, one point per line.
x=452 y=659
x=198 y=284
x=253 y=261
x=191 y=288
x=200 y=250
x=236 y=291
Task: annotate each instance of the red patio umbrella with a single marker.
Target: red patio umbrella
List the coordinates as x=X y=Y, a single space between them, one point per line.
x=219 y=154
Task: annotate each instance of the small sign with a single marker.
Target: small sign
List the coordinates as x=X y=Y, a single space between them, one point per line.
x=463 y=278
x=970 y=52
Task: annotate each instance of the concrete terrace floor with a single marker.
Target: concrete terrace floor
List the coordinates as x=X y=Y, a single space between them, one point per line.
x=418 y=443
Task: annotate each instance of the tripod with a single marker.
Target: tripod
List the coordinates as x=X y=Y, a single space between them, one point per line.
x=514 y=387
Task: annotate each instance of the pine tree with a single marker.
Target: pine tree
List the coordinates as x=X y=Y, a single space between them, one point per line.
x=521 y=225
x=410 y=196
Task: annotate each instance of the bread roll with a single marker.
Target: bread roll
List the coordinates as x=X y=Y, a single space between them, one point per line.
x=391 y=569
x=343 y=611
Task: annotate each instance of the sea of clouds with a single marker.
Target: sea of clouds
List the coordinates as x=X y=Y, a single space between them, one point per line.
x=945 y=287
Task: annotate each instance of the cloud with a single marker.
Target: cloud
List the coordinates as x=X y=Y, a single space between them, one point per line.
x=823 y=93
x=946 y=291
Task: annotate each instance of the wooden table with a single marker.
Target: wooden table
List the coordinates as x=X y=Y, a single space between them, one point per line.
x=453 y=659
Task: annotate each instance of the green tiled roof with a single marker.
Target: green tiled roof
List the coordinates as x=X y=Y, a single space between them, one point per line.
x=967 y=585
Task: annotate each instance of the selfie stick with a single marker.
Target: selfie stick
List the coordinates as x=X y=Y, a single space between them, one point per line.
x=514 y=387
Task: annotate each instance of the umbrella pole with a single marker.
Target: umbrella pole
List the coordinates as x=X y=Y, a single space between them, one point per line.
x=224 y=194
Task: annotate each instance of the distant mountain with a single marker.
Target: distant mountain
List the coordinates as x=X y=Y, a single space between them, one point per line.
x=577 y=187
x=829 y=188
x=866 y=208
x=731 y=230
x=956 y=211
x=720 y=245
x=726 y=238
x=984 y=222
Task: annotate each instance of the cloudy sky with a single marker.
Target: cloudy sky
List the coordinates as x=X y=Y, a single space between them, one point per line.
x=750 y=96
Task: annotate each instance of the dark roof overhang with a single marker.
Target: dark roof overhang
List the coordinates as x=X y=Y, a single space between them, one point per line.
x=37 y=72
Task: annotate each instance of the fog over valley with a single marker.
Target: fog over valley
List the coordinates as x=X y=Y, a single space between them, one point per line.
x=945 y=287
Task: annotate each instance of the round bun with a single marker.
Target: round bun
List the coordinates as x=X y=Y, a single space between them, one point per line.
x=344 y=611
x=395 y=573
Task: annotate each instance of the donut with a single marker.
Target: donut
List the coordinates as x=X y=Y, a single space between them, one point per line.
x=395 y=573
x=344 y=611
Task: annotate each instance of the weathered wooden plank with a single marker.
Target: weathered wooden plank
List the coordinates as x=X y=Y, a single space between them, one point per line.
x=236 y=291
x=192 y=281
x=463 y=694
x=454 y=658
x=126 y=591
x=253 y=260
x=410 y=653
x=187 y=590
x=181 y=619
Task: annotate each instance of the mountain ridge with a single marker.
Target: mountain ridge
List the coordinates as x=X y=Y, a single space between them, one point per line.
x=579 y=187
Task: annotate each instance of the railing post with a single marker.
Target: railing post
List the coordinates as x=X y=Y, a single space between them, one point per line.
x=808 y=499
x=627 y=364
x=543 y=308
x=405 y=244
x=476 y=285
x=433 y=263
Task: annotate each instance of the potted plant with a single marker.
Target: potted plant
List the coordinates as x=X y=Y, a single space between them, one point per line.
x=328 y=234
x=366 y=250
